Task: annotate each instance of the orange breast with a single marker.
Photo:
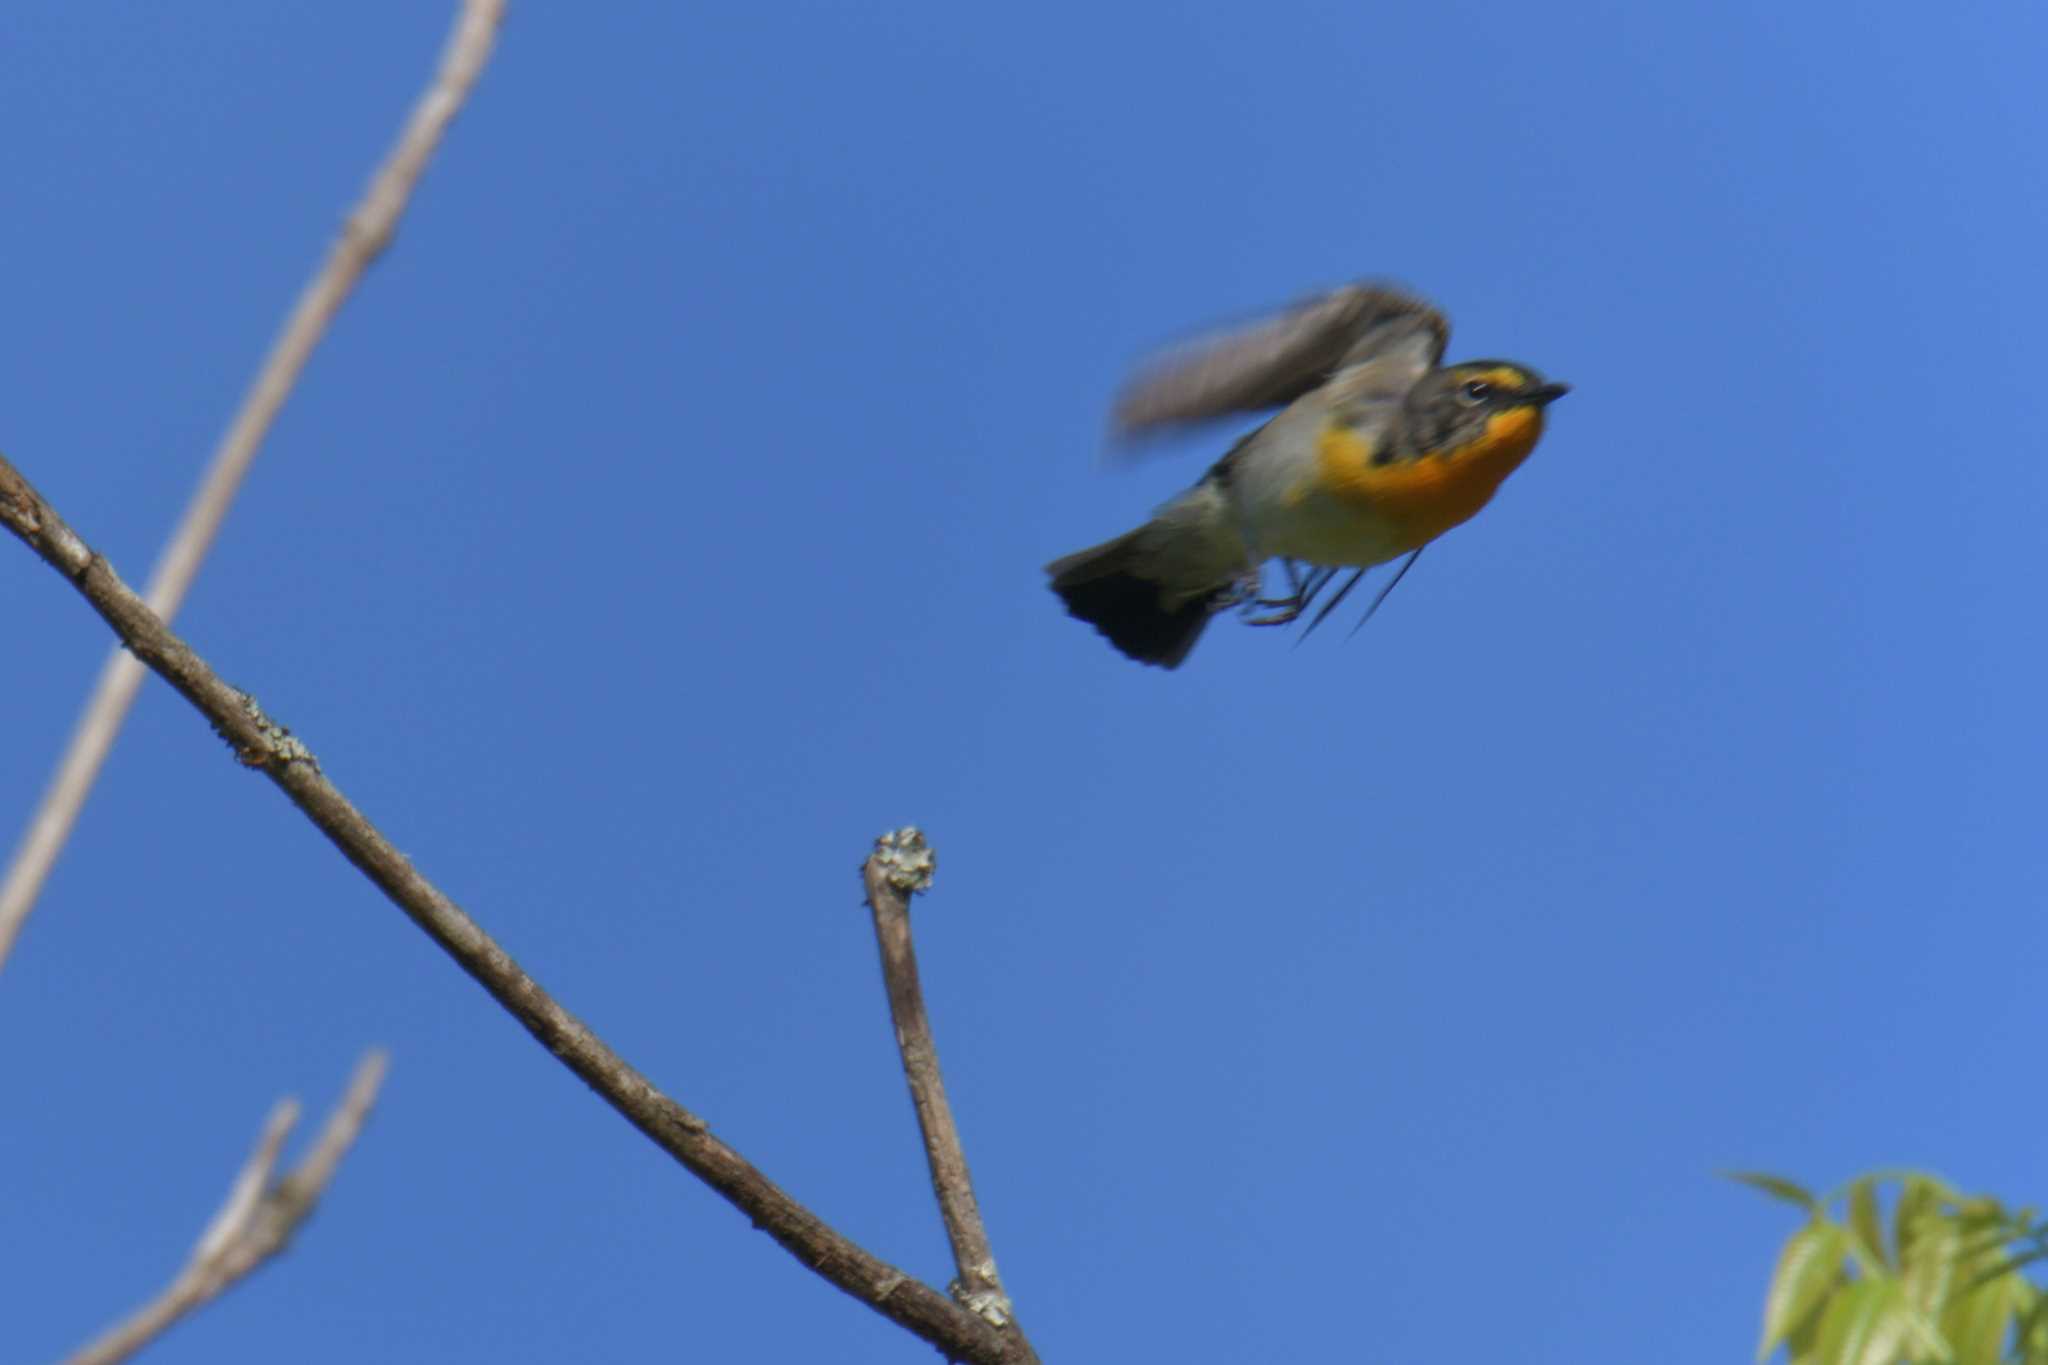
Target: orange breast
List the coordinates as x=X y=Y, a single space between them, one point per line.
x=1419 y=500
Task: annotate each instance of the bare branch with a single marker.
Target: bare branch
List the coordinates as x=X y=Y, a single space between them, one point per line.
x=260 y=743
x=902 y=865
x=365 y=234
x=257 y=1220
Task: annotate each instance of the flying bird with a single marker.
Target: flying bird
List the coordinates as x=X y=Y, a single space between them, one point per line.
x=1377 y=449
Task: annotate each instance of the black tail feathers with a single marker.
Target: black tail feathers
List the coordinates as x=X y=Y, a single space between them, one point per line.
x=1103 y=587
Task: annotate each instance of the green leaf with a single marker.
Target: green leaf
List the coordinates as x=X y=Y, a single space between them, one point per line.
x=1891 y=1323
x=1919 y=1202
x=1849 y=1326
x=1982 y=1211
x=1981 y=1239
x=1925 y=1340
x=1799 y=1345
x=1864 y=1218
x=1977 y=1319
x=1808 y=1268
x=2028 y=1257
x=1780 y=1189
x=2031 y=1307
x=1927 y=1264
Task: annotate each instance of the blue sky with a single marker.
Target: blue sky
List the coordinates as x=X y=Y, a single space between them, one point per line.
x=664 y=519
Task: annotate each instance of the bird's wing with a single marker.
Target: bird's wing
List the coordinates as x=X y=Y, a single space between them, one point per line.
x=1275 y=361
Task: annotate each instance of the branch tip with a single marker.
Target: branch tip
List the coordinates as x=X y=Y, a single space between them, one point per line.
x=907 y=862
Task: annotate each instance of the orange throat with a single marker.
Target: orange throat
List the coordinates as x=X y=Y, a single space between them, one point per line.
x=1418 y=500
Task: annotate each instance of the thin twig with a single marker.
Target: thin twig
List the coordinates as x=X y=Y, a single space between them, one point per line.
x=260 y=743
x=900 y=866
x=365 y=234
x=257 y=1220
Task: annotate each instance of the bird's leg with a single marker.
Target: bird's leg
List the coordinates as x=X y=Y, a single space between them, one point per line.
x=1331 y=605
x=1292 y=568
x=1243 y=592
x=1304 y=585
x=1280 y=610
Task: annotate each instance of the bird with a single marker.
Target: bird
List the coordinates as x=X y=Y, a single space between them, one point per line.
x=1377 y=449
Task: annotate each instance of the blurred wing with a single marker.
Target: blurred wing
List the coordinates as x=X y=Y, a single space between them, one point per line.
x=1274 y=362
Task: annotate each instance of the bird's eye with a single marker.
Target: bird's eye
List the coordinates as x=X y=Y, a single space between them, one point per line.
x=1475 y=391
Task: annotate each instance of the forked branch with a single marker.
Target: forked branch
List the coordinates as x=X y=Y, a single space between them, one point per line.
x=260 y=743
x=255 y=1223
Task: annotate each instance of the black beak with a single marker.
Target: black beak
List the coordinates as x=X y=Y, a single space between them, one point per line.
x=1545 y=394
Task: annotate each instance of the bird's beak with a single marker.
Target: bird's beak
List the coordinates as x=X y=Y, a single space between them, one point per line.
x=1545 y=394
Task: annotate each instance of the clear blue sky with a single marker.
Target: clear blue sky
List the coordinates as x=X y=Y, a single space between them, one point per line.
x=664 y=519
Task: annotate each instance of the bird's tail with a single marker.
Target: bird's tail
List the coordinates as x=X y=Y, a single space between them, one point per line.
x=1112 y=587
